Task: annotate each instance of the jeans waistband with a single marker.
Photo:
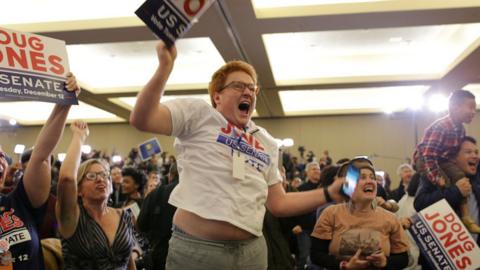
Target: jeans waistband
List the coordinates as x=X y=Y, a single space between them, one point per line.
x=177 y=230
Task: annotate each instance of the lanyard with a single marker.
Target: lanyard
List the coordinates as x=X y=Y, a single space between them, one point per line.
x=239 y=139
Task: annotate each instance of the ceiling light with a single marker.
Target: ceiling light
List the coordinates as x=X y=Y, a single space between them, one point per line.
x=368 y=56
x=129 y=102
x=287 y=142
x=387 y=110
x=354 y=100
x=396 y=39
x=135 y=62
x=19 y=148
x=68 y=15
x=86 y=149
x=21 y=111
x=297 y=8
x=61 y=157
x=416 y=103
x=117 y=159
x=279 y=142
x=438 y=103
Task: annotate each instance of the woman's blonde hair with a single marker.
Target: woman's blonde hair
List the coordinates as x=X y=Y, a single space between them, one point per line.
x=83 y=169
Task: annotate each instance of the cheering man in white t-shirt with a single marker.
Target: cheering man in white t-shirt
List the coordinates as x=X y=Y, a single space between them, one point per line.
x=228 y=169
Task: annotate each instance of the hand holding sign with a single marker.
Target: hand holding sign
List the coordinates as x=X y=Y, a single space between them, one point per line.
x=166 y=56
x=170 y=19
x=72 y=85
x=5 y=255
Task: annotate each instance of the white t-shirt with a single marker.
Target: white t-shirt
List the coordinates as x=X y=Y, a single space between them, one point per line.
x=205 y=144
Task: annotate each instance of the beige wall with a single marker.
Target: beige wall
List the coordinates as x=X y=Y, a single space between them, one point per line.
x=391 y=138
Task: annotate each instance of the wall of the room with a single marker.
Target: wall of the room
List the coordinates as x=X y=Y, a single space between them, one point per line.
x=390 y=139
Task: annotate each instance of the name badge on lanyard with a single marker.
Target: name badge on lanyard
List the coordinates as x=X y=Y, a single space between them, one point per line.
x=238 y=165
x=238 y=160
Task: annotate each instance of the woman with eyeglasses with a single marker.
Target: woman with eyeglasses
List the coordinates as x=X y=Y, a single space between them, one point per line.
x=94 y=236
x=23 y=209
x=358 y=234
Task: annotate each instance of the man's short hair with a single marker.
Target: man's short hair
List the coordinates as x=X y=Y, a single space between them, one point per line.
x=310 y=164
x=404 y=165
x=465 y=139
x=457 y=98
x=220 y=76
x=469 y=139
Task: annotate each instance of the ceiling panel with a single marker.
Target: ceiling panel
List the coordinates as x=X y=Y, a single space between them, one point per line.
x=348 y=101
x=60 y=15
x=394 y=54
x=34 y=113
x=288 y=8
x=129 y=102
x=127 y=66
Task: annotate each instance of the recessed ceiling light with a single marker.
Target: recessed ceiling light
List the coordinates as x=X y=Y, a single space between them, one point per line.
x=135 y=62
x=347 y=101
x=61 y=15
x=396 y=39
x=21 y=112
x=289 y=8
x=349 y=56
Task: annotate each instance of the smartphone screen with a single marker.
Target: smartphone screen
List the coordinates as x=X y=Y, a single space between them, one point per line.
x=352 y=179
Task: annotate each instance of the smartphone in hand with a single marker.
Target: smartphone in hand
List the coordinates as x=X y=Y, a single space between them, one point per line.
x=351 y=180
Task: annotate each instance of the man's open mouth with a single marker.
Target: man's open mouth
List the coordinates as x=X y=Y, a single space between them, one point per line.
x=244 y=107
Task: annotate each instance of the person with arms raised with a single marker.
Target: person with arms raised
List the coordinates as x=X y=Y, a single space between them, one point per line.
x=24 y=208
x=228 y=169
x=94 y=236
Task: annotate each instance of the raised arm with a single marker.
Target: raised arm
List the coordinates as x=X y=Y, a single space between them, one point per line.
x=66 y=208
x=37 y=179
x=149 y=114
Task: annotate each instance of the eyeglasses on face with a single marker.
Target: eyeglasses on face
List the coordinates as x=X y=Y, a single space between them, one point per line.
x=93 y=175
x=240 y=87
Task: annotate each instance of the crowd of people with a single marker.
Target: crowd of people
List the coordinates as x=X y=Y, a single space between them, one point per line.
x=227 y=200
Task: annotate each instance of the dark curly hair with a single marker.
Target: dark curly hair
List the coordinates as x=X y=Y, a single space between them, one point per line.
x=138 y=176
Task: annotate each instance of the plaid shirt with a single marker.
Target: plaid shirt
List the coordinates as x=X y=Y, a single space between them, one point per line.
x=440 y=142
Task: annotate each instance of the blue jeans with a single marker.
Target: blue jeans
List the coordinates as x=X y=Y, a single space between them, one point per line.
x=304 y=243
x=188 y=252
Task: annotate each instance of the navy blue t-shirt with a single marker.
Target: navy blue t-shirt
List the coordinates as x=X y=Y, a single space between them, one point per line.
x=19 y=223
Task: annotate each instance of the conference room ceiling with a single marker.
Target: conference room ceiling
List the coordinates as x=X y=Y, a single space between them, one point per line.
x=313 y=57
